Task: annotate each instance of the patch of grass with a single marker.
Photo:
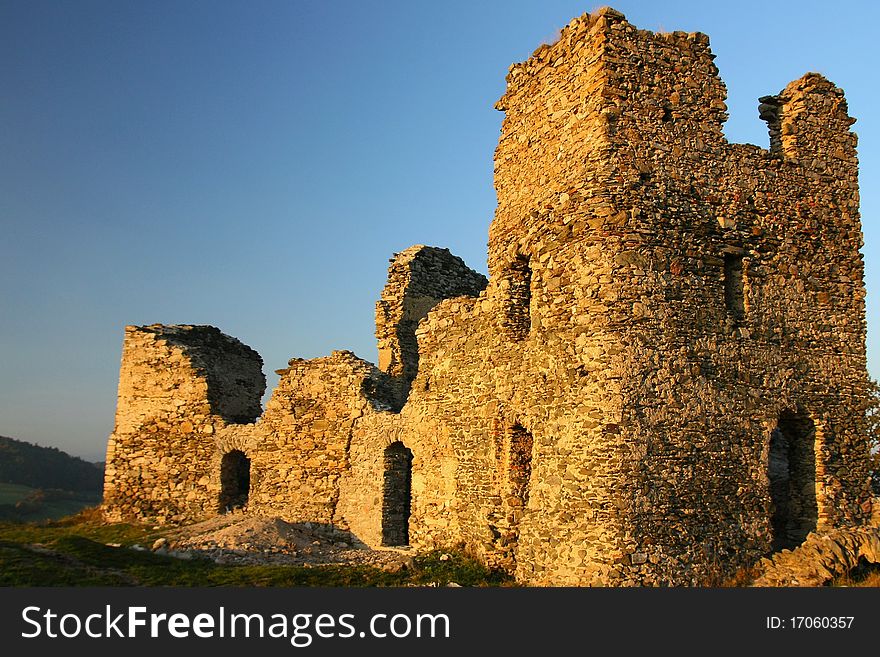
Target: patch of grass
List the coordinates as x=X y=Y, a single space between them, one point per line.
x=458 y=568
x=59 y=508
x=24 y=504
x=74 y=552
x=14 y=493
x=741 y=578
x=23 y=566
x=87 y=524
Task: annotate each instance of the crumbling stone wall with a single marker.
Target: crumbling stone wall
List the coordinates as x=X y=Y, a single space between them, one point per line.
x=820 y=558
x=306 y=431
x=179 y=386
x=300 y=447
x=661 y=305
x=418 y=279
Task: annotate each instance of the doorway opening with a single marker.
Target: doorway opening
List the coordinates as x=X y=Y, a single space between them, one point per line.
x=791 y=469
x=396 y=494
x=235 y=481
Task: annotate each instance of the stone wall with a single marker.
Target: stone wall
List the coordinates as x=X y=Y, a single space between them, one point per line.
x=418 y=279
x=663 y=381
x=820 y=558
x=304 y=441
x=179 y=387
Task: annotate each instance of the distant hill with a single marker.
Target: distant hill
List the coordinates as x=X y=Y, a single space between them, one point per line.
x=30 y=465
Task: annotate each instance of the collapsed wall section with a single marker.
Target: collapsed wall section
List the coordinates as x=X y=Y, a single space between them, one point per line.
x=178 y=387
x=306 y=433
x=418 y=279
x=179 y=452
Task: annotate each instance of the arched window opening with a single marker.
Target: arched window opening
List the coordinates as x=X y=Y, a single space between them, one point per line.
x=397 y=495
x=235 y=481
x=791 y=470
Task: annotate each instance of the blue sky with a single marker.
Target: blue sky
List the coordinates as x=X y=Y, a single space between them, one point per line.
x=253 y=165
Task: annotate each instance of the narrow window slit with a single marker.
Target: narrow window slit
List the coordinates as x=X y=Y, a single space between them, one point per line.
x=519 y=301
x=734 y=293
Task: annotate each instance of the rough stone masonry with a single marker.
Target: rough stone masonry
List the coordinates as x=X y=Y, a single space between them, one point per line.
x=662 y=382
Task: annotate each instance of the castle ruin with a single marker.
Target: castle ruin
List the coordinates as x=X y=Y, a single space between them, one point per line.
x=663 y=380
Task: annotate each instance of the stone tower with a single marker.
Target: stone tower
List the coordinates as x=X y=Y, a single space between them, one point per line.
x=672 y=287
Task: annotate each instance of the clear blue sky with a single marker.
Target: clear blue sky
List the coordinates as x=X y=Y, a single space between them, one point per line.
x=253 y=165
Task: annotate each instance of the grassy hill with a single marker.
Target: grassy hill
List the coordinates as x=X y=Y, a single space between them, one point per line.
x=26 y=504
x=13 y=493
x=46 y=467
x=43 y=483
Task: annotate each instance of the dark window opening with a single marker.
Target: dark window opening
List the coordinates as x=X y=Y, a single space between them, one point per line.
x=791 y=469
x=235 y=480
x=519 y=298
x=396 y=495
x=514 y=463
x=734 y=295
x=519 y=468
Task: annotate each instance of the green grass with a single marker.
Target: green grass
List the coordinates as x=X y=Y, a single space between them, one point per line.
x=86 y=524
x=26 y=504
x=13 y=493
x=73 y=552
x=57 y=509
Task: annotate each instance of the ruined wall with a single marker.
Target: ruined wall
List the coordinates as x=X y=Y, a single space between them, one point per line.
x=663 y=381
x=189 y=402
x=306 y=433
x=179 y=386
x=418 y=279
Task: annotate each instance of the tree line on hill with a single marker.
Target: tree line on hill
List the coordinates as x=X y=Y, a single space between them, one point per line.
x=47 y=468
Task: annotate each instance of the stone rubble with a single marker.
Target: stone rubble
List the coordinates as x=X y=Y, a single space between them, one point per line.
x=821 y=558
x=240 y=538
